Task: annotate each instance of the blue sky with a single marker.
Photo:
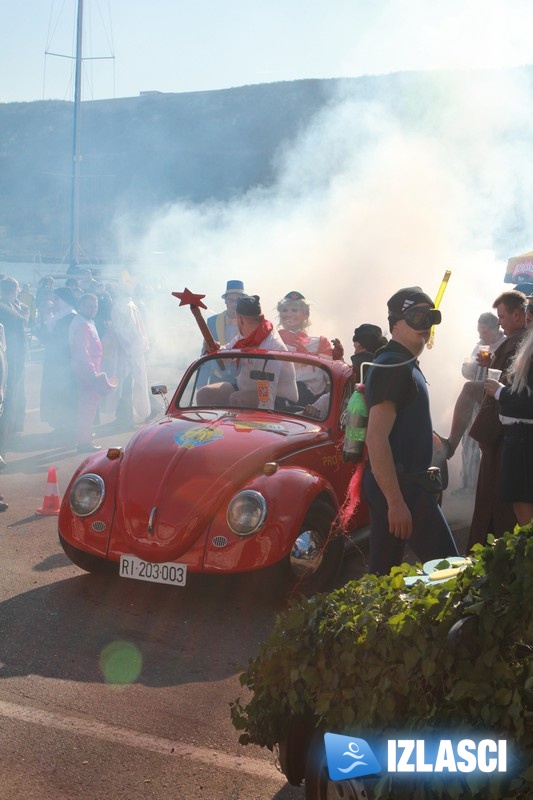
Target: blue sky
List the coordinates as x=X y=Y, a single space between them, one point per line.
x=195 y=45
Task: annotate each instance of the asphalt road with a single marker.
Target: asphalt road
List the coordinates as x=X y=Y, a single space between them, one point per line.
x=118 y=688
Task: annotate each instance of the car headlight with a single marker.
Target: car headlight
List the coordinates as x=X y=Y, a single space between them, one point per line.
x=246 y=512
x=87 y=495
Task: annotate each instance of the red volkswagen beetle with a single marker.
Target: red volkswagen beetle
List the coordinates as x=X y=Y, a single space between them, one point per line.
x=222 y=487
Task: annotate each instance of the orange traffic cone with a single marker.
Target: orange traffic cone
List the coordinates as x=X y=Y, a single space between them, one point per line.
x=50 y=506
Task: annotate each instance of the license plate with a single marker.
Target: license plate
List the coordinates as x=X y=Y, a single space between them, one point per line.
x=166 y=572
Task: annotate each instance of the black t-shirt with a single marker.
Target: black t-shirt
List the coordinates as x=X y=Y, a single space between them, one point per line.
x=395 y=382
x=411 y=437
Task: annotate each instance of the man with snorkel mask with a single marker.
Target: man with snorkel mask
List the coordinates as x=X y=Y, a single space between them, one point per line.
x=397 y=482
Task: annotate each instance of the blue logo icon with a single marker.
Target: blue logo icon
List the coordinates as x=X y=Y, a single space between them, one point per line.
x=349 y=757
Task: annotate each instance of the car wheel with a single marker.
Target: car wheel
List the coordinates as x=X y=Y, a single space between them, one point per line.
x=293 y=746
x=86 y=561
x=318 y=785
x=316 y=556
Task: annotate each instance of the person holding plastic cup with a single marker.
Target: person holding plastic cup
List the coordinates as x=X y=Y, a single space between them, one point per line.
x=515 y=406
x=474 y=369
x=492 y=514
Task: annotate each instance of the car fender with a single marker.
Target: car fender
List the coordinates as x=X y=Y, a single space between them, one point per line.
x=289 y=493
x=91 y=533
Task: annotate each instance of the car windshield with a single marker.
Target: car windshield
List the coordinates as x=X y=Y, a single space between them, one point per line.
x=229 y=380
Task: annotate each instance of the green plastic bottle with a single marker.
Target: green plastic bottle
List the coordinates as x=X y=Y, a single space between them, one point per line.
x=356 y=421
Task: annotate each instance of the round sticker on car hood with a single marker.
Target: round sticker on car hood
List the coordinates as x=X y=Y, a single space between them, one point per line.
x=194 y=437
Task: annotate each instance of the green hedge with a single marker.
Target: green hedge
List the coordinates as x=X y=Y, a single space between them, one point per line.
x=375 y=657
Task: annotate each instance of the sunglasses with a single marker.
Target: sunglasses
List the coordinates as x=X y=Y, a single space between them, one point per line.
x=422 y=319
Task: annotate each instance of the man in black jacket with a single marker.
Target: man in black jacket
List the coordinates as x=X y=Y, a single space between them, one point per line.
x=492 y=515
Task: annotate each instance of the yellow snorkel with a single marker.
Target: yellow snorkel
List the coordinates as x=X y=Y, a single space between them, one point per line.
x=442 y=289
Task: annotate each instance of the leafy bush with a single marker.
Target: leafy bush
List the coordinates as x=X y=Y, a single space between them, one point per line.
x=376 y=657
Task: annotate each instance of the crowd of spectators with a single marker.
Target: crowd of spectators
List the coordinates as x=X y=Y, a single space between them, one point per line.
x=92 y=340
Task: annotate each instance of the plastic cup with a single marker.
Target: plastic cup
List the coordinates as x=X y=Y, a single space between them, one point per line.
x=484 y=357
x=494 y=374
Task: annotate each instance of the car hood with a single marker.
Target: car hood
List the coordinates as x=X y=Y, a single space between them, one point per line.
x=175 y=473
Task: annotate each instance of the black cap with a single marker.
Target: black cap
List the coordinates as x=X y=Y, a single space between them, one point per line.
x=67 y=295
x=369 y=336
x=366 y=330
x=249 y=306
x=400 y=302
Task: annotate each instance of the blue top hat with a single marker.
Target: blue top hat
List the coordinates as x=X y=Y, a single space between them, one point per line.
x=234 y=287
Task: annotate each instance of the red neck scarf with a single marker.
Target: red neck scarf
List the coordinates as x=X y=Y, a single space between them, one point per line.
x=253 y=341
x=296 y=339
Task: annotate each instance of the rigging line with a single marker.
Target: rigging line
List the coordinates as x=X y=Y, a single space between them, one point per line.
x=108 y=33
x=85 y=58
x=53 y=24
x=105 y=27
x=58 y=55
x=49 y=36
x=89 y=30
x=51 y=33
x=87 y=72
x=112 y=46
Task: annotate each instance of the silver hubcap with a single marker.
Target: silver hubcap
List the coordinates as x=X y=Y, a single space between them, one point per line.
x=307 y=553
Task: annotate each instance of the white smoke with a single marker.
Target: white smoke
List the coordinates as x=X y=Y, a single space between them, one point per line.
x=363 y=204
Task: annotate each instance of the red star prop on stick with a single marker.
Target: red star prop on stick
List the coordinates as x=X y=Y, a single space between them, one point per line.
x=187 y=298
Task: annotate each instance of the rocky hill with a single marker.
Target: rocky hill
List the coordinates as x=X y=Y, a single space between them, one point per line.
x=143 y=153
x=138 y=154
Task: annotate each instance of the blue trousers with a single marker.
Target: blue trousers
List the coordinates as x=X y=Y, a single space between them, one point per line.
x=431 y=536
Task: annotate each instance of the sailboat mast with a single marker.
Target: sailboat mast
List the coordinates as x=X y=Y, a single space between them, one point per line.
x=76 y=156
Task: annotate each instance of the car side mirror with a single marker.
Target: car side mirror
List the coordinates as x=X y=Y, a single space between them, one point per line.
x=161 y=390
